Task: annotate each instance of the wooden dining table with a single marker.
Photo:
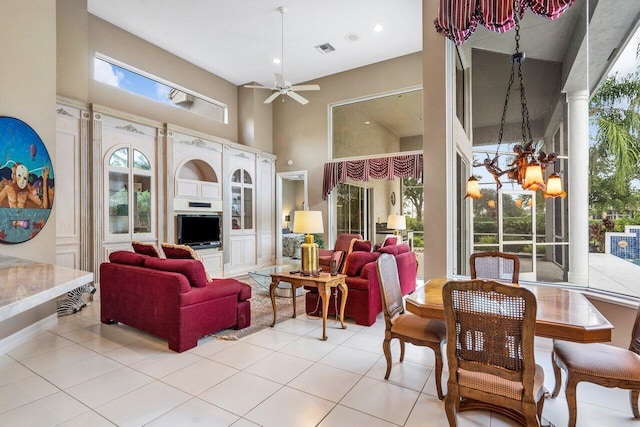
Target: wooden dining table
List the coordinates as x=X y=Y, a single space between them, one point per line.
x=562 y=313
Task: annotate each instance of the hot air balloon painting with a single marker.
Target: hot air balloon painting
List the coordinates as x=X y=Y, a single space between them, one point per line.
x=26 y=182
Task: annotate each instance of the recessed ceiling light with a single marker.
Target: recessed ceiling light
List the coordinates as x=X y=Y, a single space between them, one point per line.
x=377 y=28
x=276 y=60
x=352 y=37
x=367 y=122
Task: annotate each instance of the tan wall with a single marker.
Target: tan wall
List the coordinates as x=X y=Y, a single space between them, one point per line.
x=28 y=92
x=411 y=143
x=122 y=46
x=73 y=49
x=255 y=119
x=352 y=136
x=300 y=133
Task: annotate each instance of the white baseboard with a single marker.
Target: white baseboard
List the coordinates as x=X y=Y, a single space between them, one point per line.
x=12 y=341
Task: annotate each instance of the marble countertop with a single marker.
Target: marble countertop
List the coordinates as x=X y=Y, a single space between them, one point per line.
x=25 y=284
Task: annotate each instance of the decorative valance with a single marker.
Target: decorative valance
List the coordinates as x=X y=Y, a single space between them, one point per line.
x=408 y=166
x=458 y=19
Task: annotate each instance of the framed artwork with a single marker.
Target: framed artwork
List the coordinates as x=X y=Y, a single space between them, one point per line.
x=26 y=182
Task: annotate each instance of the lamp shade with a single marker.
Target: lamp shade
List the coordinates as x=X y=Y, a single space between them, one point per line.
x=473 y=188
x=554 y=187
x=533 y=177
x=397 y=222
x=308 y=222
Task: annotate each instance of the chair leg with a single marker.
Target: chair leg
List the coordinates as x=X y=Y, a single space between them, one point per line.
x=633 y=396
x=530 y=413
x=570 y=392
x=558 y=374
x=401 y=351
x=451 y=402
x=540 y=407
x=386 y=347
x=439 y=372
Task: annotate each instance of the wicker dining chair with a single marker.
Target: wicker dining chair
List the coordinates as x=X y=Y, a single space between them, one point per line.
x=494 y=265
x=404 y=326
x=601 y=364
x=490 y=351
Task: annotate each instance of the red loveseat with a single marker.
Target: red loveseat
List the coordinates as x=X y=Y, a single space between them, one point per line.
x=364 y=301
x=170 y=298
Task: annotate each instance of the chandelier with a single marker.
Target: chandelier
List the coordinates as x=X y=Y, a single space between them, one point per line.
x=528 y=163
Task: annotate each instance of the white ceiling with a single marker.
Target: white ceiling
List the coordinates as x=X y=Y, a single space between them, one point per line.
x=237 y=40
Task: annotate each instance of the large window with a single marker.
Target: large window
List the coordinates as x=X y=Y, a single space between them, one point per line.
x=128 y=78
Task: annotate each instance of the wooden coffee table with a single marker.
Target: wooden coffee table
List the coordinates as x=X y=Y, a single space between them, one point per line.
x=324 y=282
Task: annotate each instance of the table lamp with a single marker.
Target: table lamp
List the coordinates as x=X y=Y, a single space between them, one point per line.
x=308 y=222
x=287 y=219
x=397 y=223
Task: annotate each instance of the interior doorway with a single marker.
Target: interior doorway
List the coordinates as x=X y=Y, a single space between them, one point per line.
x=291 y=196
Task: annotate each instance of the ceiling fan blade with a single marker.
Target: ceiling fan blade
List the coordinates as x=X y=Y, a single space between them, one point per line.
x=305 y=87
x=297 y=97
x=280 y=80
x=273 y=96
x=257 y=87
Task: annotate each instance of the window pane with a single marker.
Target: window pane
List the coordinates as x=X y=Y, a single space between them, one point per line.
x=247 y=178
x=120 y=158
x=142 y=204
x=118 y=203
x=236 y=176
x=140 y=161
x=248 y=208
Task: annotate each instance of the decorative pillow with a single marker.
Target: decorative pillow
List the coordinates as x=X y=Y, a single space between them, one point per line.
x=393 y=250
x=357 y=260
x=128 y=258
x=149 y=249
x=172 y=251
x=360 y=246
x=403 y=247
x=192 y=269
x=390 y=240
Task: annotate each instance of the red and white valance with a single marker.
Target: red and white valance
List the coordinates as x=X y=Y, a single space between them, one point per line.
x=458 y=19
x=407 y=166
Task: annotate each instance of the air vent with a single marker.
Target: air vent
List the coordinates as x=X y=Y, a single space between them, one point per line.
x=325 y=48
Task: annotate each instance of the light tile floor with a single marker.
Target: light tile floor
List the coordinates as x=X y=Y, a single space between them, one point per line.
x=83 y=373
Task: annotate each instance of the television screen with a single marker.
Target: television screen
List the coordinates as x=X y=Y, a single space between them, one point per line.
x=200 y=231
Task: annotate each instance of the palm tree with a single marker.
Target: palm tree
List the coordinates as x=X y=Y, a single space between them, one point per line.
x=614 y=111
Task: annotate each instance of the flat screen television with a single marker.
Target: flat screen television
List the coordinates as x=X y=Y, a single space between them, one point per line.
x=200 y=231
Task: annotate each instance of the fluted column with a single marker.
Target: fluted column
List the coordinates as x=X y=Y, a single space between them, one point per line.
x=578 y=186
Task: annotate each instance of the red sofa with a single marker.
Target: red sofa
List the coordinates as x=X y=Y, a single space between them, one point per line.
x=170 y=298
x=364 y=301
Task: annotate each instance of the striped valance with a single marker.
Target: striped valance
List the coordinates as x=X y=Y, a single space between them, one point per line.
x=407 y=166
x=457 y=19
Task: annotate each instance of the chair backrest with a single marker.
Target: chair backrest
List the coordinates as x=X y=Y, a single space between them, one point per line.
x=490 y=330
x=344 y=240
x=389 y=287
x=635 y=335
x=495 y=265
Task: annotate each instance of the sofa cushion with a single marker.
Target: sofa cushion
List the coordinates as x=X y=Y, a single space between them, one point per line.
x=220 y=288
x=149 y=249
x=128 y=258
x=390 y=241
x=193 y=270
x=392 y=249
x=356 y=260
x=360 y=245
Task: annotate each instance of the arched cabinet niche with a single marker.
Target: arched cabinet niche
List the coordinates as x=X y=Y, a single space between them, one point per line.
x=196 y=179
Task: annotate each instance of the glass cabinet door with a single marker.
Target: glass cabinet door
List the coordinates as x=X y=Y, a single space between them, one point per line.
x=142 y=204
x=248 y=209
x=236 y=207
x=241 y=201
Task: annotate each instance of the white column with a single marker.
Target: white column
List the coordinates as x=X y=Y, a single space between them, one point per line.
x=578 y=186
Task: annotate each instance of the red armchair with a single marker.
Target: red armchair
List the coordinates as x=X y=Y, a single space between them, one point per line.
x=364 y=301
x=325 y=256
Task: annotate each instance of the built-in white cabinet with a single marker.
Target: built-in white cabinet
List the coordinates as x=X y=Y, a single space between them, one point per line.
x=241 y=208
x=213 y=261
x=265 y=202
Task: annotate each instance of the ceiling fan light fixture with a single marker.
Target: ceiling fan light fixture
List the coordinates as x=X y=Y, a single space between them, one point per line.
x=276 y=60
x=377 y=28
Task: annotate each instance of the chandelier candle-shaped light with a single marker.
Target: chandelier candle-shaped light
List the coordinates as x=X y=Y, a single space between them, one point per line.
x=528 y=165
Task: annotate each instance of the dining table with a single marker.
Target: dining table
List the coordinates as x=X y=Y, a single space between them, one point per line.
x=562 y=313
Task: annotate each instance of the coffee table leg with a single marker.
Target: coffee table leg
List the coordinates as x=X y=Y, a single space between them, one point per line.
x=345 y=291
x=294 y=289
x=272 y=294
x=325 y=295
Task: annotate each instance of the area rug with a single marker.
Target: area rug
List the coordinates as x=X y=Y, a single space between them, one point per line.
x=262 y=311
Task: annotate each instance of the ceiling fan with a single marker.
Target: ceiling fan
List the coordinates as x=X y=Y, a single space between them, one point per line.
x=283 y=87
